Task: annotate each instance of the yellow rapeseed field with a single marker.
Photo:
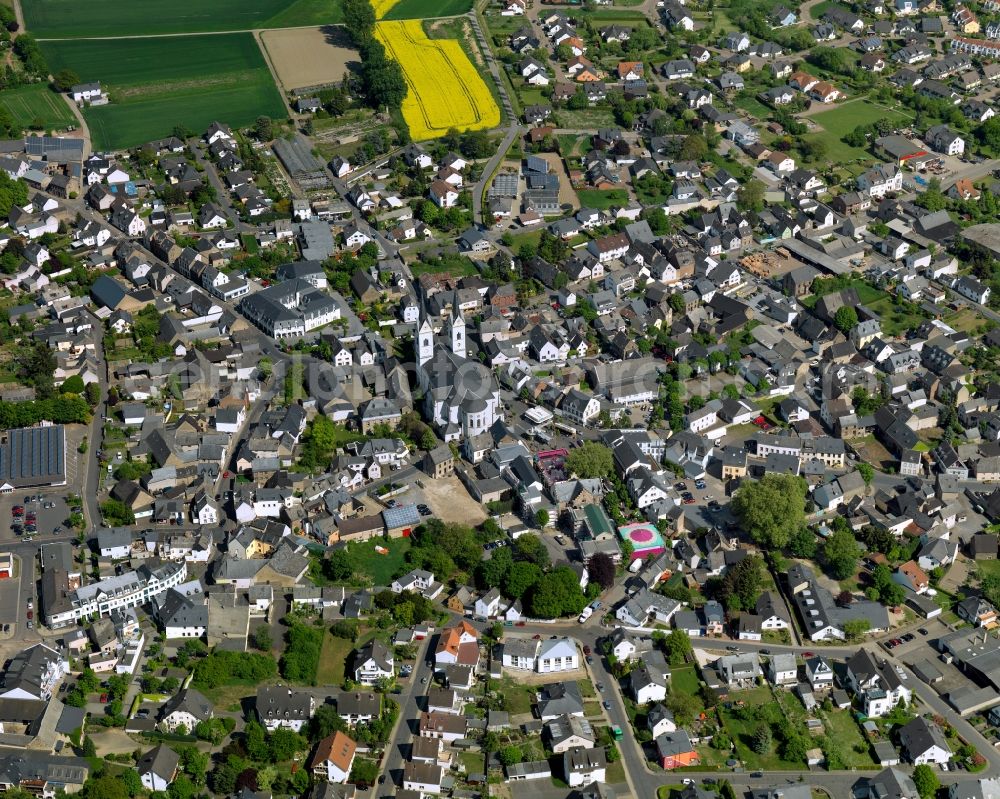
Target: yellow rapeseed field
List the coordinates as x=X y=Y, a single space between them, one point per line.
x=382 y=7
x=446 y=90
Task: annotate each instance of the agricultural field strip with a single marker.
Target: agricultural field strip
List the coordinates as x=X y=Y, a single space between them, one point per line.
x=439 y=75
x=66 y=19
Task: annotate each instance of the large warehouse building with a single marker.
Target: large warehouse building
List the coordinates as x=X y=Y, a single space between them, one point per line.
x=32 y=457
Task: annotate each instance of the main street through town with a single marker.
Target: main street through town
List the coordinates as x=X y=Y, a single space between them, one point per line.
x=644 y=781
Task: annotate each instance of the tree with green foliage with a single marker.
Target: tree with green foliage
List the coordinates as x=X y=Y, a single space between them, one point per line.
x=771 y=509
x=492 y=572
x=223 y=667
x=925 y=781
x=104 y=787
x=510 y=755
x=116 y=513
x=64 y=80
x=740 y=586
x=750 y=196
x=885 y=589
x=557 y=594
x=73 y=385
x=339 y=566
x=262 y=638
x=846 y=319
x=677 y=645
x=802 y=544
x=684 y=707
x=12 y=193
x=324 y=722
x=531 y=548
x=364 y=772
x=855 y=629
x=300 y=660
x=590 y=460
x=867 y=472
x=522 y=577
x=761 y=740
x=542 y=518
x=840 y=551
x=319 y=440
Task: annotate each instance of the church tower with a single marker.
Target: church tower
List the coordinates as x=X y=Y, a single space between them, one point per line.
x=456 y=328
x=425 y=342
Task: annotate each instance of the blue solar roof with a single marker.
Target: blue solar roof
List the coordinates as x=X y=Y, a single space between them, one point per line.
x=401 y=516
x=34 y=456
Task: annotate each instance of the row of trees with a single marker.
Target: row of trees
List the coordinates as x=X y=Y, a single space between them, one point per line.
x=382 y=78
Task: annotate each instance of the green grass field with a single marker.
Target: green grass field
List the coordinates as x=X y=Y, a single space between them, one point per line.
x=333 y=660
x=158 y=83
x=602 y=199
x=427 y=9
x=37 y=105
x=841 y=120
x=64 y=19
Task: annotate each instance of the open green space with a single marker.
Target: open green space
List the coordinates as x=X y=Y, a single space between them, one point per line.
x=613 y=16
x=426 y=9
x=381 y=568
x=841 y=120
x=684 y=680
x=843 y=730
x=37 y=106
x=602 y=199
x=896 y=319
x=156 y=84
x=868 y=294
x=742 y=730
x=518 y=698
x=333 y=660
x=65 y=19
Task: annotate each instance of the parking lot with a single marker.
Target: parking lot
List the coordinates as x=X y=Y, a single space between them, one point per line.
x=47 y=519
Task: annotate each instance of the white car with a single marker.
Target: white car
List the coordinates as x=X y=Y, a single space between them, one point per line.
x=587 y=613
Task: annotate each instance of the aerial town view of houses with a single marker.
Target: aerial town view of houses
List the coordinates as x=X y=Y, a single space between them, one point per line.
x=587 y=399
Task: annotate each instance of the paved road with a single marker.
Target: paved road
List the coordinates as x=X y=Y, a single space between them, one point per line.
x=479 y=189
x=644 y=781
x=409 y=714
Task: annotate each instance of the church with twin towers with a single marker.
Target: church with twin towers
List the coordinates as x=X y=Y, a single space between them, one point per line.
x=461 y=395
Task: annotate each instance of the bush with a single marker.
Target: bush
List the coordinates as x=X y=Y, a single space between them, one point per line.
x=302 y=650
x=228 y=668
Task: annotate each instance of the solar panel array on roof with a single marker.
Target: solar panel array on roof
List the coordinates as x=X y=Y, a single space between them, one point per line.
x=401 y=516
x=34 y=456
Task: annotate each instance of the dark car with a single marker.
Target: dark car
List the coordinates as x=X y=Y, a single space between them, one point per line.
x=606 y=704
x=909 y=637
x=922 y=631
x=681 y=486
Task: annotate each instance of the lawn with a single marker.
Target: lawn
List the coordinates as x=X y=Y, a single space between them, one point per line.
x=602 y=199
x=614 y=16
x=841 y=120
x=467 y=268
x=65 y=19
x=866 y=293
x=333 y=660
x=685 y=680
x=843 y=729
x=986 y=568
x=381 y=568
x=157 y=84
x=427 y=9
x=37 y=106
x=519 y=698
x=896 y=319
x=742 y=731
